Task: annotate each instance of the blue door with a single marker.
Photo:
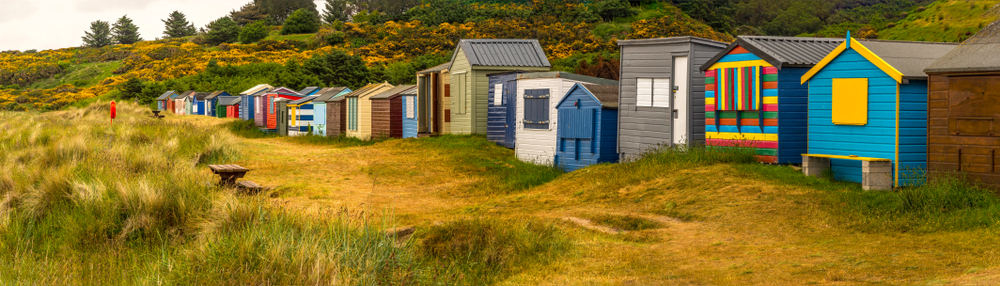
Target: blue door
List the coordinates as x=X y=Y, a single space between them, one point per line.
x=510 y=97
x=500 y=112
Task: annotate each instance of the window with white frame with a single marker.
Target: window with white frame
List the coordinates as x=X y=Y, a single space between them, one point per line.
x=498 y=94
x=652 y=92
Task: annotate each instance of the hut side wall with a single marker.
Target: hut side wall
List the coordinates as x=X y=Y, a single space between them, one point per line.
x=539 y=145
x=642 y=128
x=411 y=126
x=961 y=138
x=500 y=120
x=336 y=118
x=793 y=102
x=381 y=121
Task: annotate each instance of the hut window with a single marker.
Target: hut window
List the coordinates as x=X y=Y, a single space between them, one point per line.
x=850 y=101
x=498 y=94
x=462 y=93
x=536 y=109
x=352 y=113
x=256 y=106
x=652 y=92
x=409 y=107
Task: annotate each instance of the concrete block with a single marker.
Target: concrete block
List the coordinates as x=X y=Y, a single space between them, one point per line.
x=876 y=175
x=813 y=166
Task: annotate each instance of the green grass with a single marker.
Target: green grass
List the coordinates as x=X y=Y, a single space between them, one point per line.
x=943 y=21
x=277 y=36
x=624 y=222
x=339 y=141
x=247 y=129
x=82 y=75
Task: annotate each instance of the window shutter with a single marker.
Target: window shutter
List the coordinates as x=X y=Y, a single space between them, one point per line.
x=498 y=94
x=644 y=92
x=447 y=90
x=576 y=123
x=536 y=108
x=463 y=93
x=661 y=92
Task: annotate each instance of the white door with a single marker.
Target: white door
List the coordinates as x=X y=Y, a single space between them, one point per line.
x=680 y=75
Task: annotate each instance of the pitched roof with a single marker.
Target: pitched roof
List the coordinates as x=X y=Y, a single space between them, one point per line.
x=328 y=93
x=606 y=94
x=393 y=92
x=229 y=100
x=309 y=89
x=567 y=75
x=412 y=91
x=166 y=95
x=672 y=40
x=257 y=89
x=217 y=94
x=437 y=68
x=377 y=87
x=362 y=90
x=303 y=100
x=909 y=58
x=187 y=93
x=782 y=51
x=201 y=95
x=283 y=89
x=503 y=53
x=980 y=53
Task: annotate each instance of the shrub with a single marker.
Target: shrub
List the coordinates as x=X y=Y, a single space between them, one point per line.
x=223 y=30
x=253 y=32
x=613 y=9
x=300 y=22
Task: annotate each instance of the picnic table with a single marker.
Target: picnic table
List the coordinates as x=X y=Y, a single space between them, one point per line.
x=228 y=175
x=156 y=114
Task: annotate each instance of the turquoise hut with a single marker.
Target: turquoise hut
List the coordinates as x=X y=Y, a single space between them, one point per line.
x=588 y=126
x=319 y=107
x=411 y=114
x=868 y=112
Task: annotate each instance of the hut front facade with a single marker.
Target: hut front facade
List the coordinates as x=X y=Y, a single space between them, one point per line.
x=229 y=107
x=661 y=93
x=268 y=105
x=387 y=112
x=587 y=126
x=501 y=123
x=336 y=111
x=301 y=114
x=180 y=103
x=434 y=100
x=161 y=101
x=359 y=111
x=281 y=116
x=198 y=103
x=472 y=61
x=319 y=107
x=964 y=127
x=212 y=101
x=868 y=103
x=250 y=100
x=754 y=97
x=536 y=116
x=410 y=113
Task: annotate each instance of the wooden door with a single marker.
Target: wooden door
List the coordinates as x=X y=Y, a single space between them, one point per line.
x=681 y=110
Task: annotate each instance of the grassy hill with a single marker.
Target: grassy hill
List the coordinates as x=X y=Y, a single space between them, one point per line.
x=945 y=21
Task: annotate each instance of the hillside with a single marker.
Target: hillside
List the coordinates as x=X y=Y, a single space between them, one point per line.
x=945 y=21
x=76 y=211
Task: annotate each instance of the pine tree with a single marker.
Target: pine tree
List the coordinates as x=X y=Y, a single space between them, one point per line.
x=279 y=10
x=99 y=34
x=178 y=26
x=253 y=32
x=249 y=13
x=125 y=32
x=301 y=22
x=336 y=10
x=223 y=30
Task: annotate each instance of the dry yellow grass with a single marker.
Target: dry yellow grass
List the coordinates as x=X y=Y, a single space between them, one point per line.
x=744 y=230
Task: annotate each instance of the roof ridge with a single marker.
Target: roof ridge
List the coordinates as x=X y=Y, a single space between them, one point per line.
x=907 y=42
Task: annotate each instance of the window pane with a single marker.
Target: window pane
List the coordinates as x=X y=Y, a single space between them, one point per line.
x=644 y=92
x=661 y=92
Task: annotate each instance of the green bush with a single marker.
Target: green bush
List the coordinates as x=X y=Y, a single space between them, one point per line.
x=335 y=38
x=223 y=30
x=300 y=22
x=613 y=9
x=254 y=32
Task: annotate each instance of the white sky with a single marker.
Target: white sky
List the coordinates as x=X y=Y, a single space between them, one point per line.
x=54 y=24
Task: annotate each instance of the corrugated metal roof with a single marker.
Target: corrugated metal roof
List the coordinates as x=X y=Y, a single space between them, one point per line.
x=362 y=90
x=217 y=94
x=437 y=68
x=567 y=75
x=370 y=92
x=503 y=53
x=783 y=51
x=909 y=58
x=284 y=90
x=672 y=40
x=980 y=53
x=187 y=93
x=606 y=94
x=303 y=100
x=309 y=89
x=328 y=93
x=393 y=92
x=166 y=95
x=229 y=100
x=411 y=91
x=257 y=89
x=201 y=95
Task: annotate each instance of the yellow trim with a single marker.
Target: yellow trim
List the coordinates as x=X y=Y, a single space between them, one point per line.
x=741 y=136
x=709 y=100
x=865 y=52
x=851 y=157
x=770 y=100
x=897 y=135
x=741 y=64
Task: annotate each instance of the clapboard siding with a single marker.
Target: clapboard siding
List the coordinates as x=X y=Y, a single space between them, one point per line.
x=601 y=147
x=635 y=133
x=461 y=73
x=410 y=125
x=336 y=118
x=501 y=124
x=793 y=101
x=539 y=145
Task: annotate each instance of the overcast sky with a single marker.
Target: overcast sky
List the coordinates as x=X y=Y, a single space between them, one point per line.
x=54 y=24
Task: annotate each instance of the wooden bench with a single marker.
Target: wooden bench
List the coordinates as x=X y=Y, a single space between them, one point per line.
x=228 y=173
x=249 y=187
x=876 y=173
x=156 y=114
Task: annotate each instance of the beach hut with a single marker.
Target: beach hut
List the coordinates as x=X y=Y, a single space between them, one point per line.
x=434 y=100
x=411 y=115
x=212 y=101
x=281 y=116
x=535 y=113
x=319 y=107
x=180 y=102
x=250 y=99
x=868 y=112
x=500 y=123
x=301 y=116
x=198 y=103
x=268 y=105
x=471 y=62
x=359 y=112
x=754 y=97
x=387 y=112
x=337 y=112
x=661 y=93
x=229 y=106
x=161 y=101
x=963 y=132
x=587 y=126
x=310 y=90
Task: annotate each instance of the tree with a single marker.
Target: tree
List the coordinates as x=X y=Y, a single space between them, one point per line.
x=294 y=76
x=612 y=9
x=301 y=22
x=131 y=89
x=794 y=21
x=715 y=13
x=99 y=34
x=222 y=30
x=125 y=32
x=386 y=7
x=280 y=10
x=249 y=13
x=177 y=26
x=336 y=10
x=254 y=32
x=339 y=69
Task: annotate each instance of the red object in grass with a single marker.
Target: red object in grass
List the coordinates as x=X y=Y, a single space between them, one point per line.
x=113 y=112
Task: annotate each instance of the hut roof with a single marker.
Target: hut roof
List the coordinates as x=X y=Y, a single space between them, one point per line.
x=166 y=95
x=284 y=90
x=782 y=51
x=412 y=91
x=362 y=90
x=306 y=99
x=368 y=92
x=606 y=94
x=977 y=54
x=201 y=95
x=567 y=75
x=328 y=93
x=217 y=94
x=187 y=93
x=309 y=89
x=257 y=89
x=229 y=100
x=437 y=68
x=909 y=58
x=503 y=53
x=393 y=92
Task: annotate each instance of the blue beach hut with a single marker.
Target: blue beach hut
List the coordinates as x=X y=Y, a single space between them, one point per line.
x=411 y=119
x=587 y=126
x=319 y=107
x=500 y=117
x=868 y=112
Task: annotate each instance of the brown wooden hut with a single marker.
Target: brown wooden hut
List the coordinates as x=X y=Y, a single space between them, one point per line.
x=336 y=112
x=387 y=112
x=963 y=130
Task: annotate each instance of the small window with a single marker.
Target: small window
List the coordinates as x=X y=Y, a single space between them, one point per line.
x=498 y=94
x=653 y=92
x=536 y=109
x=850 y=101
x=462 y=93
x=256 y=106
x=410 y=107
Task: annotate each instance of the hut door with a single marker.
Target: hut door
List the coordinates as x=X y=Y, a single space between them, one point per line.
x=680 y=124
x=510 y=96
